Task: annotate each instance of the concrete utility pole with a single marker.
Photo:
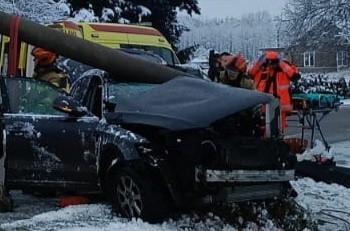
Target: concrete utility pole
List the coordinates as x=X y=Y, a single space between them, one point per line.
x=278 y=21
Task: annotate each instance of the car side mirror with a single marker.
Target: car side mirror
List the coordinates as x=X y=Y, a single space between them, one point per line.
x=70 y=106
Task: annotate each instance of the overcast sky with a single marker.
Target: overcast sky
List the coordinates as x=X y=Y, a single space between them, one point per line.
x=235 y=8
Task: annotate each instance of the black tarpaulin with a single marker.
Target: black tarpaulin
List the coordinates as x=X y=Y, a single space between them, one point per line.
x=185 y=103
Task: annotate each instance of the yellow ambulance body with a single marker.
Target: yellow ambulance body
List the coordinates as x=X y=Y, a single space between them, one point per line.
x=122 y=36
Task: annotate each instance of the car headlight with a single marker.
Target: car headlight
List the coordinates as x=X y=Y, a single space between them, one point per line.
x=208 y=151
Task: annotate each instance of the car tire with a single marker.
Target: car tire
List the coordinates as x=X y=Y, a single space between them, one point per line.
x=138 y=197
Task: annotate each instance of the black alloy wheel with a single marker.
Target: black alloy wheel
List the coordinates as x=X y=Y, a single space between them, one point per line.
x=129 y=196
x=138 y=194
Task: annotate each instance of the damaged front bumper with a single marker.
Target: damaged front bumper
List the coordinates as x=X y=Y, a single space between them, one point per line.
x=210 y=175
x=242 y=185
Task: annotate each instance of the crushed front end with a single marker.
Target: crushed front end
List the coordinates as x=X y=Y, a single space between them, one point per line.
x=210 y=142
x=234 y=160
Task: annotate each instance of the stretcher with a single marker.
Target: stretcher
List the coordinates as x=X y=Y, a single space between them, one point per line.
x=311 y=109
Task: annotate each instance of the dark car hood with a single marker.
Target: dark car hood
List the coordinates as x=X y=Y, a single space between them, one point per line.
x=185 y=103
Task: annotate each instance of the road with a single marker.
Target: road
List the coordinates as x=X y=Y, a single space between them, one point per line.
x=335 y=126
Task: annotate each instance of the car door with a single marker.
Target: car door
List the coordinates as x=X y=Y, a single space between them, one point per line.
x=45 y=146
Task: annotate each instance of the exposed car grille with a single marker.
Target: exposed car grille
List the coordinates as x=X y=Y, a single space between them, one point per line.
x=209 y=175
x=254 y=154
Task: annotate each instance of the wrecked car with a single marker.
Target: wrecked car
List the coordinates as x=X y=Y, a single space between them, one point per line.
x=149 y=147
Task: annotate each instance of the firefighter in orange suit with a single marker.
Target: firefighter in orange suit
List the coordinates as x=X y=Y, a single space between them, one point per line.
x=273 y=75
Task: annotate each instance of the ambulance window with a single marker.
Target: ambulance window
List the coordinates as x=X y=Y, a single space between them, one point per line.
x=165 y=53
x=168 y=56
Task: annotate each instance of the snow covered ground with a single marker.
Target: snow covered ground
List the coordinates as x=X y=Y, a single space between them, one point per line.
x=326 y=203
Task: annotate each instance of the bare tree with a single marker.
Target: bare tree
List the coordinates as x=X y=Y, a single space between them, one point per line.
x=322 y=21
x=245 y=35
x=41 y=11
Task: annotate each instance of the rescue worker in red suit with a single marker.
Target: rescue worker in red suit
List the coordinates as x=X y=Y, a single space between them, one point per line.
x=273 y=75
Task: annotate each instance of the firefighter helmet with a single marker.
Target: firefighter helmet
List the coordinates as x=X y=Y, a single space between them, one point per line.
x=43 y=57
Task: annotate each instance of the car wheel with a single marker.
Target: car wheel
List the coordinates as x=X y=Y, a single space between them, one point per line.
x=133 y=197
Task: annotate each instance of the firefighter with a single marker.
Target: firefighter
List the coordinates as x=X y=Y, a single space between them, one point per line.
x=231 y=70
x=273 y=75
x=46 y=69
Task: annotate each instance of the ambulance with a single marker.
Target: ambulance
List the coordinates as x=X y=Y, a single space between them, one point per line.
x=108 y=34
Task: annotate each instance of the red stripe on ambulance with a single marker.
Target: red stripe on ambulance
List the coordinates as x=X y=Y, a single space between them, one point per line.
x=122 y=29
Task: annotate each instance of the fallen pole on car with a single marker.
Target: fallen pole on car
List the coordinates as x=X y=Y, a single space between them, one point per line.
x=119 y=64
